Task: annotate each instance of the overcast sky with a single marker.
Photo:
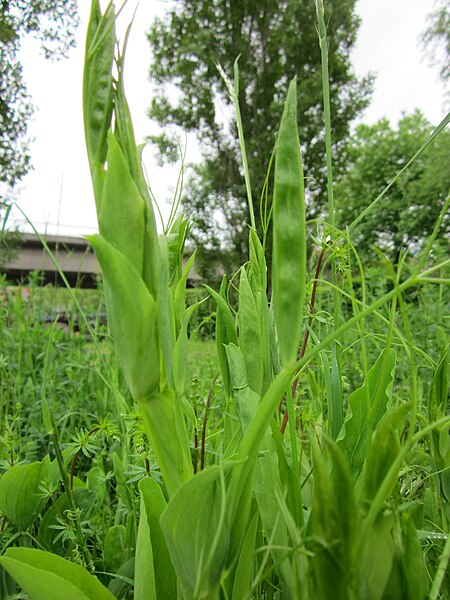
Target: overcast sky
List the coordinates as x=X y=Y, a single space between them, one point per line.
x=57 y=196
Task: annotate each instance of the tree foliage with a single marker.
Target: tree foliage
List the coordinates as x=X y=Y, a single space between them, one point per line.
x=437 y=38
x=274 y=40
x=53 y=23
x=407 y=214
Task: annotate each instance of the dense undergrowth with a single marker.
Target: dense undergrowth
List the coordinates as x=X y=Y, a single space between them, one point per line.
x=301 y=452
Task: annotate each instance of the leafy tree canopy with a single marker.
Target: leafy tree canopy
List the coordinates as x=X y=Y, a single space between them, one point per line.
x=53 y=23
x=275 y=40
x=437 y=37
x=407 y=214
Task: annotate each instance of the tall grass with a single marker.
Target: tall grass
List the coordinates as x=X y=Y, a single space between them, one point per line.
x=316 y=465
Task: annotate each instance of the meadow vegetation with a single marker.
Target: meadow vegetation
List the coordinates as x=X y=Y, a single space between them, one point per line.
x=286 y=438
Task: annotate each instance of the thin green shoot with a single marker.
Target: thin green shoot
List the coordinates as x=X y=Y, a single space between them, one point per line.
x=233 y=91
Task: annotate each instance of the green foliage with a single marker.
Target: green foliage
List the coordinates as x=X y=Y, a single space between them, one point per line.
x=407 y=214
x=436 y=37
x=275 y=42
x=19 y=497
x=46 y=577
x=206 y=485
x=53 y=23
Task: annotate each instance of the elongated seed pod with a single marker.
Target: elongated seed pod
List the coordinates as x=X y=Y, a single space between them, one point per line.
x=98 y=91
x=289 y=236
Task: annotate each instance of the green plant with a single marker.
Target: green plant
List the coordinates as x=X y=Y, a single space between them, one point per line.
x=297 y=493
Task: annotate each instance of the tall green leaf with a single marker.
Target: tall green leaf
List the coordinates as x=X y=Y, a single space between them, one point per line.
x=154 y=572
x=132 y=317
x=366 y=406
x=196 y=530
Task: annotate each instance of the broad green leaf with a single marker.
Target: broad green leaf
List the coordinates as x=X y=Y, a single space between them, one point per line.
x=289 y=234
x=114 y=548
x=20 y=497
x=250 y=341
x=46 y=576
x=144 y=570
x=244 y=570
x=375 y=560
x=409 y=578
x=257 y=277
x=122 y=203
x=383 y=449
x=197 y=534
x=8 y=587
x=247 y=400
x=267 y=481
x=366 y=406
x=153 y=504
x=334 y=523
x=243 y=474
x=123 y=583
x=132 y=318
x=164 y=422
x=96 y=482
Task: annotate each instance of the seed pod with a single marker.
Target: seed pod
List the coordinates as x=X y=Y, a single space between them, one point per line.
x=289 y=234
x=98 y=90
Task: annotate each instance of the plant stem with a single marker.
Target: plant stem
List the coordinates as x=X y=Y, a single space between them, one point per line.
x=306 y=335
x=73 y=507
x=440 y=571
x=205 y=420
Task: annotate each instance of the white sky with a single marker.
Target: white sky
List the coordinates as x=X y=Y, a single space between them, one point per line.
x=56 y=195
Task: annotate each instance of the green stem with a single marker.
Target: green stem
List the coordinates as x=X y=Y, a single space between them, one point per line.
x=440 y=571
x=326 y=105
x=240 y=127
x=70 y=498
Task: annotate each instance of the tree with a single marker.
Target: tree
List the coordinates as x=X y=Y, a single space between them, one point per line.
x=275 y=40
x=408 y=212
x=436 y=38
x=53 y=22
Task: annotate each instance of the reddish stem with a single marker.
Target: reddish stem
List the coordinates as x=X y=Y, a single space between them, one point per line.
x=306 y=335
x=195 y=441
